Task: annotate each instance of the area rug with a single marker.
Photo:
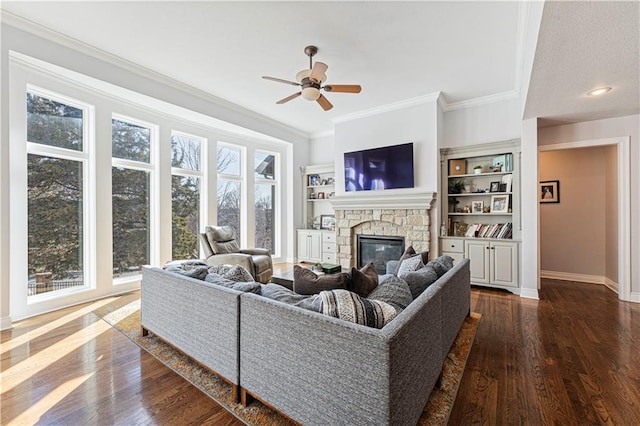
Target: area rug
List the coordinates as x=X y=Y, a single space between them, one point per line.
x=124 y=315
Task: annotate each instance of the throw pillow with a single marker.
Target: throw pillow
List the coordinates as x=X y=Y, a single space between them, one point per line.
x=394 y=291
x=348 y=306
x=198 y=272
x=305 y=281
x=235 y=273
x=411 y=252
x=419 y=280
x=363 y=281
x=410 y=265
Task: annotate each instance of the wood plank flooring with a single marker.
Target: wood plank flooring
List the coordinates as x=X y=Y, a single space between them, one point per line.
x=572 y=357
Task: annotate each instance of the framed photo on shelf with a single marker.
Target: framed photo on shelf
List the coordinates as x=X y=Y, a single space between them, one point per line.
x=320 y=196
x=477 y=206
x=327 y=221
x=495 y=187
x=549 y=191
x=314 y=180
x=499 y=204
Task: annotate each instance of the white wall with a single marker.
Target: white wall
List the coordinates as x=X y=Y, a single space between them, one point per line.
x=602 y=129
x=487 y=122
x=417 y=124
x=321 y=148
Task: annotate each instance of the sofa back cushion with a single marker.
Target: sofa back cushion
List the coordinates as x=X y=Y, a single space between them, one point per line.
x=305 y=281
x=348 y=306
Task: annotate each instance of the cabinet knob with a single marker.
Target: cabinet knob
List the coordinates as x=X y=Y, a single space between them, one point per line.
x=493 y=248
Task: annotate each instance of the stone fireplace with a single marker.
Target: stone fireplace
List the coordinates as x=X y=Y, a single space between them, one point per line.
x=406 y=216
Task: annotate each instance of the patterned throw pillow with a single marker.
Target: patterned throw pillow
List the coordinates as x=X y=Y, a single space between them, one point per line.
x=410 y=265
x=363 y=281
x=410 y=252
x=348 y=306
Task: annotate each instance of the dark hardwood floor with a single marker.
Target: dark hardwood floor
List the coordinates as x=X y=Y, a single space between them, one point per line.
x=571 y=358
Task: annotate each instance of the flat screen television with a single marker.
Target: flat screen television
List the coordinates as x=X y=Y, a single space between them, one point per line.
x=389 y=167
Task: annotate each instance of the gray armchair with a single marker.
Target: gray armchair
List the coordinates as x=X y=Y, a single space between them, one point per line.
x=221 y=248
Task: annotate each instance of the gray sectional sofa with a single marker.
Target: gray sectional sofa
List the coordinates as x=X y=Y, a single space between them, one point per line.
x=314 y=368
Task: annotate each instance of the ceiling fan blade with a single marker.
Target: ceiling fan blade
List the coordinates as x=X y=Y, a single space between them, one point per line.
x=344 y=88
x=279 y=80
x=324 y=103
x=318 y=70
x=288 y=98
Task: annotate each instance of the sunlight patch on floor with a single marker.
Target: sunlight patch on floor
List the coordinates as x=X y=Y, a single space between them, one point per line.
x=25 y=370
x=32 y=414
x=40 y=331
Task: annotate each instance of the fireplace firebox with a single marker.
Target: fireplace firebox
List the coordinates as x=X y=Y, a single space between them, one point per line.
x=379 y=250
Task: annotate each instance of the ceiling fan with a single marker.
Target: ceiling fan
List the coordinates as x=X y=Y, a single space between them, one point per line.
x=311 y=81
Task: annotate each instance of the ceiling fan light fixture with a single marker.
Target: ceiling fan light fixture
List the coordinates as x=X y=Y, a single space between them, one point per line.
x=599 y=91
x=310 y=93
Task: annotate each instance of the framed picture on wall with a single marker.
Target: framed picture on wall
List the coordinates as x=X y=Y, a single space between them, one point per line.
x=549 y=191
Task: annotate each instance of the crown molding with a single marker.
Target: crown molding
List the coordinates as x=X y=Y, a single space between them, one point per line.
x=56 y=37
x=419 y=100
x=484 y=100
x=322 y=134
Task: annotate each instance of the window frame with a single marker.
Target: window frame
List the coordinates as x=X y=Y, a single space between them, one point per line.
x=86 y=157
x=276 y=183
x=154 y=190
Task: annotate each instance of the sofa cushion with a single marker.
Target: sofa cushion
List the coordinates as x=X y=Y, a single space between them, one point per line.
x=235 y=273
x=419 y=280
x=348 y=306
x=305 y=281
x=247 y=287
x=394 y=291
x=363 y=281
x=441 y=264
x=284 y=295
x=411 y=252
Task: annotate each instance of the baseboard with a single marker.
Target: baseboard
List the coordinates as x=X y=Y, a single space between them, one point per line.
x=635 y=297
x=568 y=276
x=5 y=323
x=529 y=293
x=612 y=285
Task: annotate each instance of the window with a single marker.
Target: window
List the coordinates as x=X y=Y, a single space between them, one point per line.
x=229 y=191
x=264 y=200
x=131 y=183
x=186 y=199
x=57 y=211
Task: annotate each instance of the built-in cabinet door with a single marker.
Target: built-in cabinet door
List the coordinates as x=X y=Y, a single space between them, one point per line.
x=478 y=254
x=309 y=245
x=503 y=263
x=315 y=246
x=303 y=245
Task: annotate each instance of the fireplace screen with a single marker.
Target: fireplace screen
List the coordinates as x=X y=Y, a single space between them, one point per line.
x=379 y=250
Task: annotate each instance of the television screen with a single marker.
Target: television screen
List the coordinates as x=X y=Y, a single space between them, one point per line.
x=388 y=167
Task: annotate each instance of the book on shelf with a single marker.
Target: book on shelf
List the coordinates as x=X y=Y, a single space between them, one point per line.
x=483 y=230
x=507 y=179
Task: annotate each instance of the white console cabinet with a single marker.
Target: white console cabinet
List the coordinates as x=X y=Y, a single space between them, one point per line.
x=493 y=263
x=309 y=245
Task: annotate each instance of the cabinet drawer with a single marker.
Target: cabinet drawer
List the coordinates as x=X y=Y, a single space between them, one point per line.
x=328 y=237
x=453 y=246
x=329 y=257
x=328 y=247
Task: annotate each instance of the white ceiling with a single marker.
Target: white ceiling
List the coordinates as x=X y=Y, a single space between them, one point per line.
x=395 y=50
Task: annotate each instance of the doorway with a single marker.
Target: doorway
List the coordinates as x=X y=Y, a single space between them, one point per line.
x=585 y=236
